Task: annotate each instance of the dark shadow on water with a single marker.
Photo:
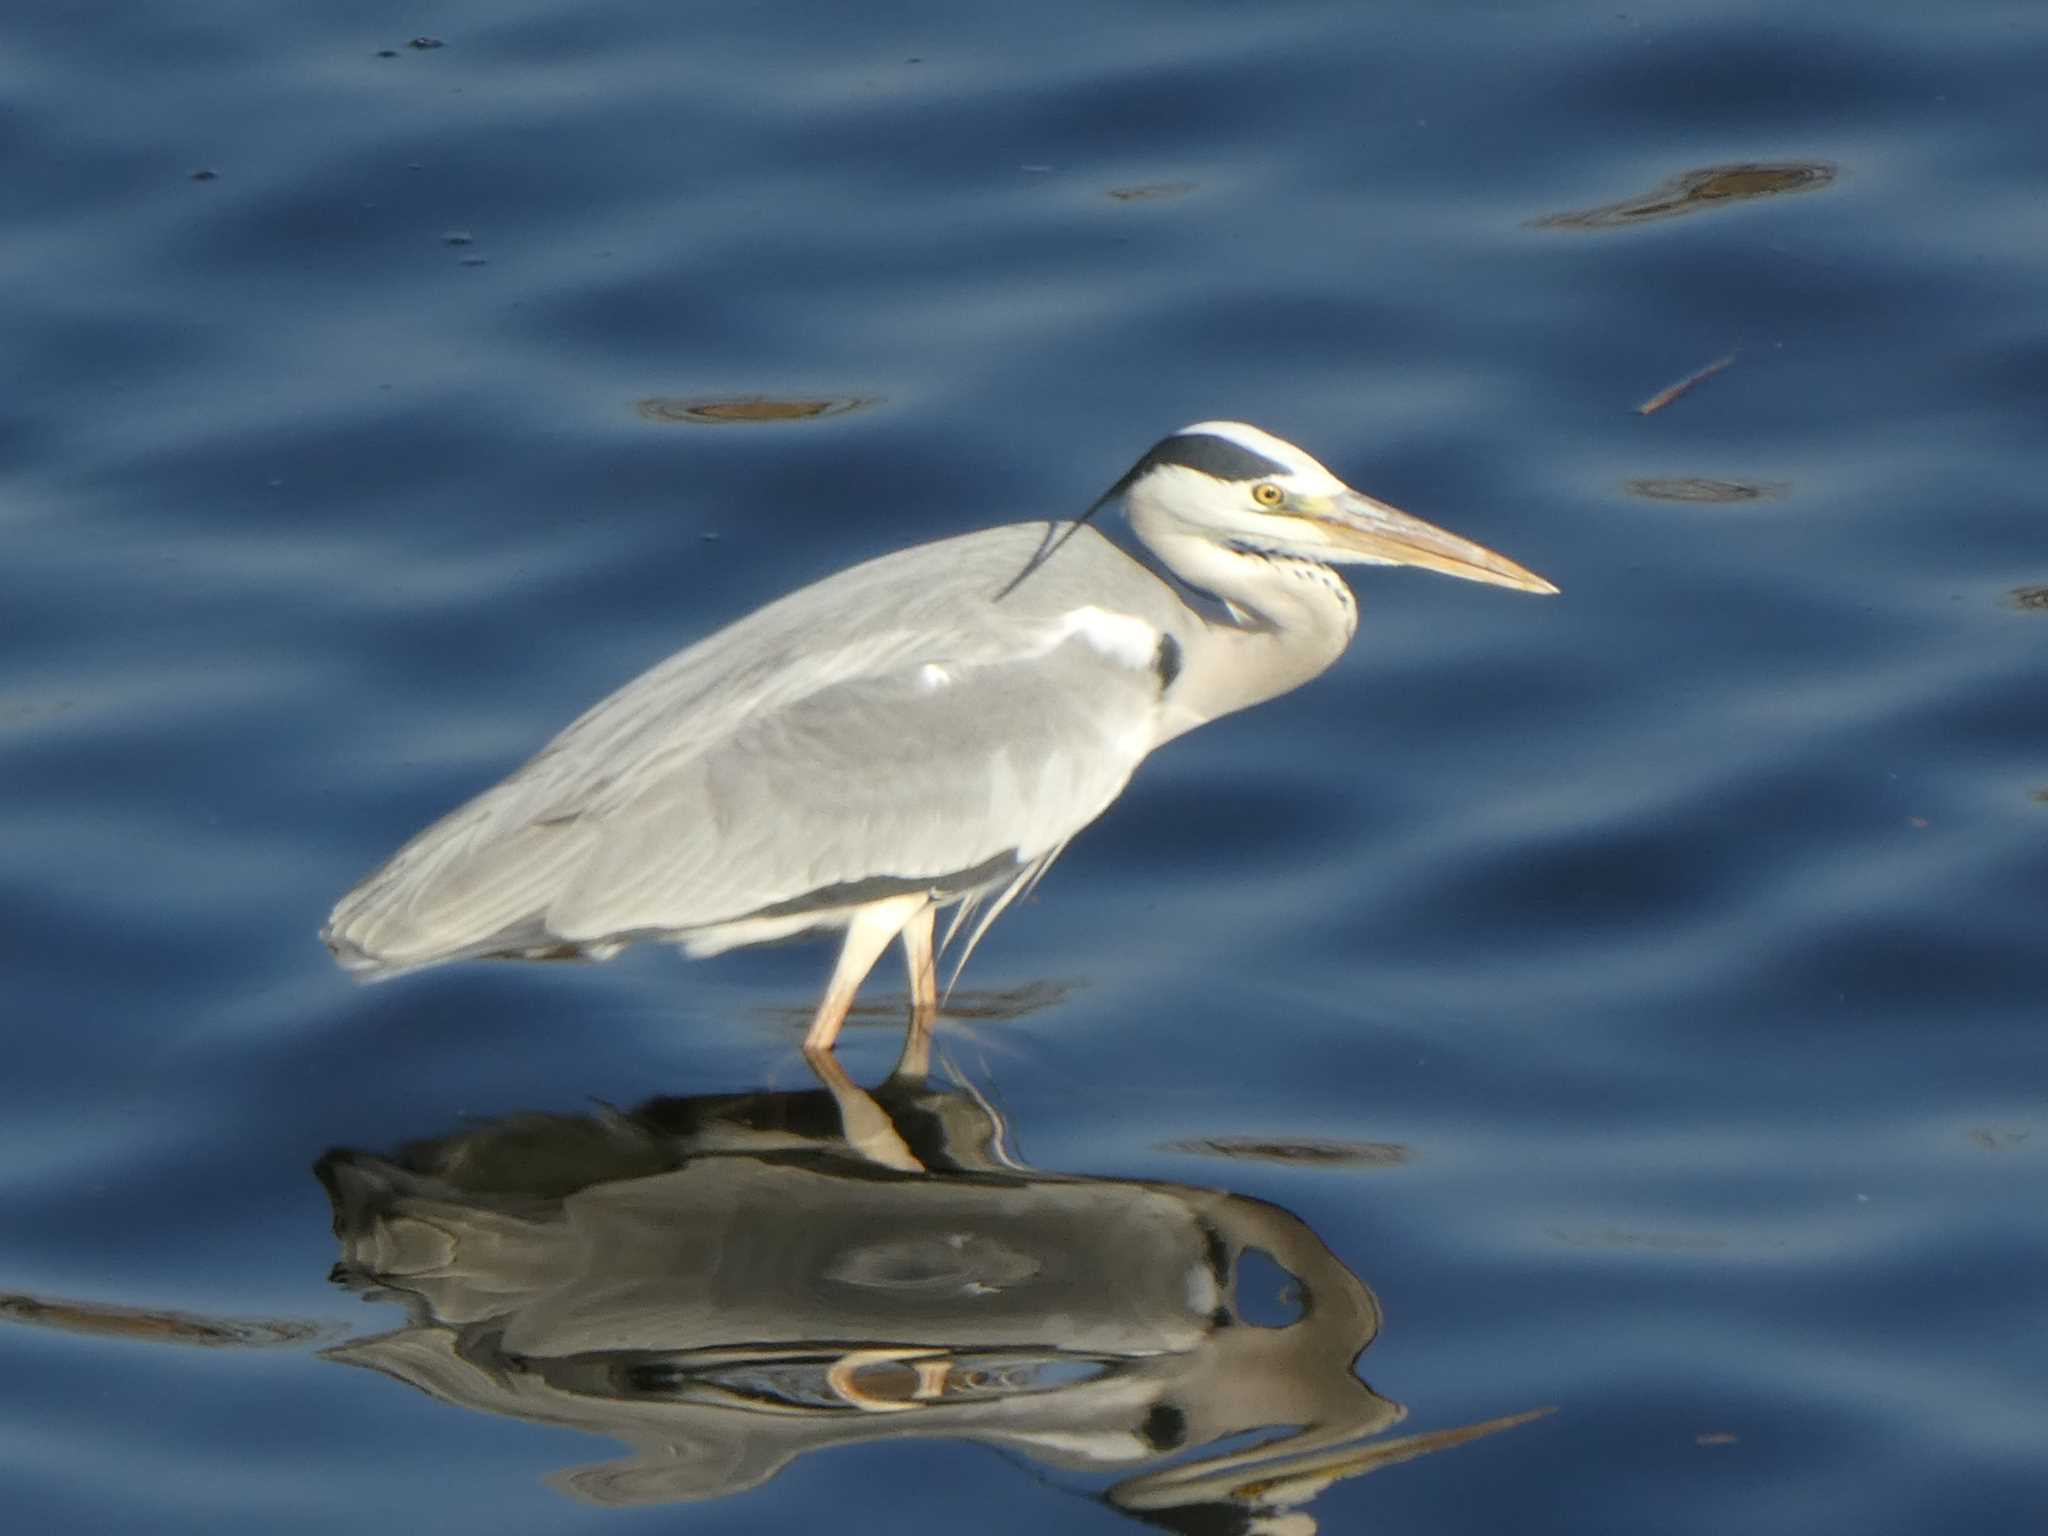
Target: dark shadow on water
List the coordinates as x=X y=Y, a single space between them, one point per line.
x=727 y=1282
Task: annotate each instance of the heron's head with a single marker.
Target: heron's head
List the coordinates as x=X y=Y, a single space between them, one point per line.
x=1232 y=485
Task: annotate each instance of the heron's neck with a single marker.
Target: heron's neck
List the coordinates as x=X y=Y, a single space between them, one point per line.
x=1276 y=622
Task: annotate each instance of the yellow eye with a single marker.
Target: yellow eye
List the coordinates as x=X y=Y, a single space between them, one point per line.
x=1267 y=494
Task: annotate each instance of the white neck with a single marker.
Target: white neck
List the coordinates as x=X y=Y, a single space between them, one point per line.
x=1288 y=620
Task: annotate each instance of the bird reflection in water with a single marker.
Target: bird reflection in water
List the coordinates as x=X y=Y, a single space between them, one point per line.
x=725 y=1283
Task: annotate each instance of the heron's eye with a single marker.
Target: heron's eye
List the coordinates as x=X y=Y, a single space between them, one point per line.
x=1267 y=494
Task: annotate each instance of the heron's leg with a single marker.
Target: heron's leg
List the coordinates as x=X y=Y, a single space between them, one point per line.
x=924 y=967
x=916 y=1060
x=869 y=933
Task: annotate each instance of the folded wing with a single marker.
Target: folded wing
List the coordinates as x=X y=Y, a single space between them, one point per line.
x=917 y=770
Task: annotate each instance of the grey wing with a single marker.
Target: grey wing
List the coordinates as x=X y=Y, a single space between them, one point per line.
x=922 y=776
x=925 y=772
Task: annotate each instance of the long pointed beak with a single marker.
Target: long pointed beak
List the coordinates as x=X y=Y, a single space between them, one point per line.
x=1371 y=530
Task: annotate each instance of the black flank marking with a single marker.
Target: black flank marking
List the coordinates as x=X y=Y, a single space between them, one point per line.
x=1166 y=662
x=1217 y=456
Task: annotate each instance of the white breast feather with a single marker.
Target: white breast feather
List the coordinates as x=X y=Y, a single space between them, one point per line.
x=1129 y=641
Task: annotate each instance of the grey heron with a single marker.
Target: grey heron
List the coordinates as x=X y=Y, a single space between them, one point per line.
x=922 y=731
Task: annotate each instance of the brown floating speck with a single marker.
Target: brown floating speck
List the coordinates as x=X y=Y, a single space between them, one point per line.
x=1711 y=186
x=1698 y=488
x=1373 y=1154
x=736 y=409
x=2034 y=599
x=1152 y=191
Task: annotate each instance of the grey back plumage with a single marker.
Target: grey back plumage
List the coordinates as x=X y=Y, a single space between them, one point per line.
x=889 y=723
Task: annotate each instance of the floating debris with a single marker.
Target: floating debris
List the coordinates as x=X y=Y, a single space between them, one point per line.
x=1152 y=192
x=1716 y=1437
x=458 y=237
x=1712 y=186
x=1698 y=488
x=205 y=175
x=1370 y=1154
x=734 y=409
x=424 y=43
x=1671 y=392
x=2031 y=599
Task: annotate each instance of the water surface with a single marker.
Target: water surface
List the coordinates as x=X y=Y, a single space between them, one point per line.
x=1627 y=1004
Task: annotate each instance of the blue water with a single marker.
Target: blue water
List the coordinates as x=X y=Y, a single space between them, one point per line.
x=1626 y=1004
